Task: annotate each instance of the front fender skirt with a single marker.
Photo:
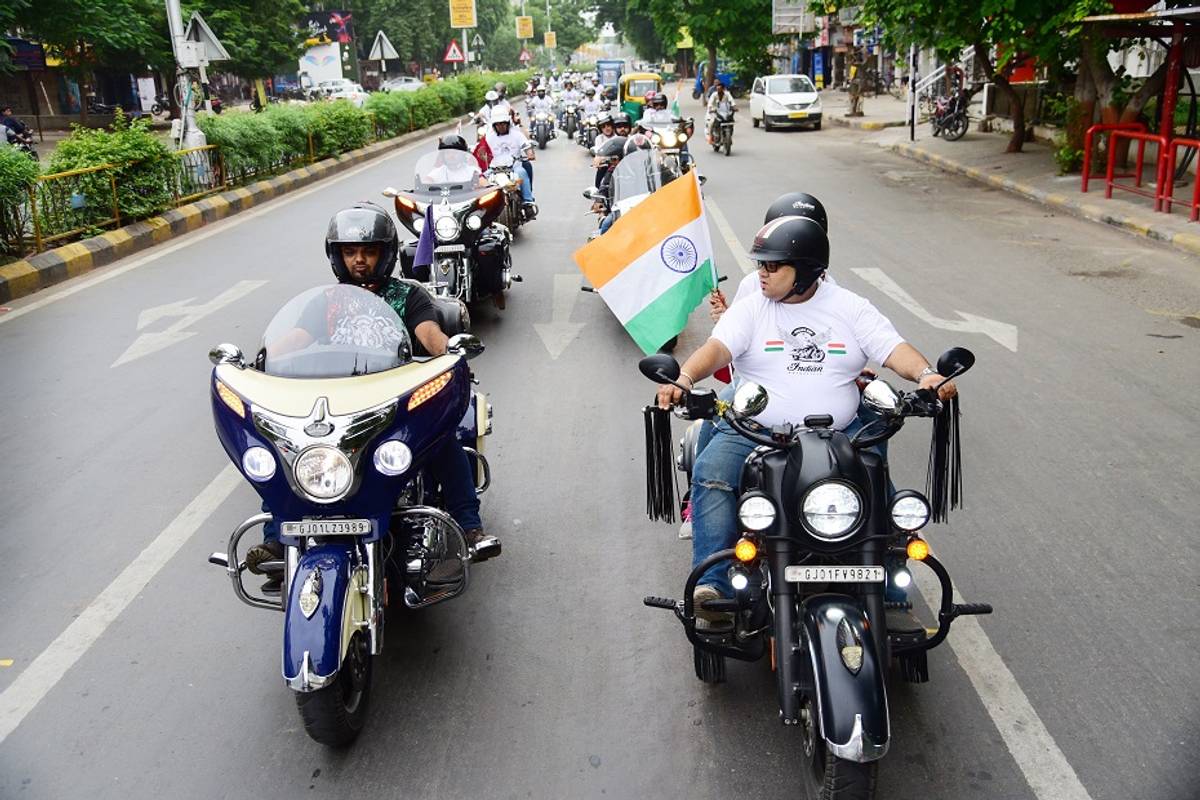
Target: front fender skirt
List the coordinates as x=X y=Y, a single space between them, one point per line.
x=313 y=647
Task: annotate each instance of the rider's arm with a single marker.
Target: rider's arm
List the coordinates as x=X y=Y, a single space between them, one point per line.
x=432 y=338
x=907 y=362
x=420 y=317
x=711 y=356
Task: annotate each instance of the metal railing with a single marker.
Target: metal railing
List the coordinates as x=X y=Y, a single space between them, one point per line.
x=199 y=171
x=65 y=204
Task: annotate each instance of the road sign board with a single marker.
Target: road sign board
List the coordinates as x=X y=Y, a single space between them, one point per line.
x=462 y=14
x=524 y=27
x=198 y=31
x=477 y=41
x=525 y=56
x=550 y=39
x=382 y=49
x=454 y=54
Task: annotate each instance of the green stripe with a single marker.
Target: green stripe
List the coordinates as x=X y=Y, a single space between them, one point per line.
x=772 y=349
x=667 y=315
x=837 y=352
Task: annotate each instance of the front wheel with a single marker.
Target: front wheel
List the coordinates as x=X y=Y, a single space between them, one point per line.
x=826 y=776
x=766 y=123
x=710 y=667
x=956 y=129
x=335 y=715
x=695 y=95
x=728 y=144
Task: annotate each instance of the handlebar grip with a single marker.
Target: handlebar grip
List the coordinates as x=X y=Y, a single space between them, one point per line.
x=970 y=609
x=660 y=602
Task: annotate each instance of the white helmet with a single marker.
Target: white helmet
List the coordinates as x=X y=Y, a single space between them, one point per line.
x=491 y=96
x=500 y=115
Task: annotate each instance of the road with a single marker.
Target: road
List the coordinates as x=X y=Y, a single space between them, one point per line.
x=135 y=673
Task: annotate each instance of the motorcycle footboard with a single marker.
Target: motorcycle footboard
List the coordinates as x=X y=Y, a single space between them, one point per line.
x=848 y=678
x=327 y=602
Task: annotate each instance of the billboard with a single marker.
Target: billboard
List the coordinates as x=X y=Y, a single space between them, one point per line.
x=550 y=40
x=462 y=14
x=792 y=16
x=524 y=27
x=329 y=26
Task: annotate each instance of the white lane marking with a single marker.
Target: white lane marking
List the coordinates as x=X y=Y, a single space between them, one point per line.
x=1002 y=333
x=1046 y=769
x=45 y=671
x=176 y=332
x=739 y=252
x=110 y=272
x=560 y=331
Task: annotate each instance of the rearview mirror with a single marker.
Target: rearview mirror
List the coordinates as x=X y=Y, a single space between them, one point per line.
x=880 y=397
x=589 y=193
x=660 y=367
x=955 y=362
x=226 y=354
x=466 y=345
x=750 y=400
x=390 y=192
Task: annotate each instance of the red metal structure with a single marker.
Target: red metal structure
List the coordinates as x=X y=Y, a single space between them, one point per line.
x=1099 y=130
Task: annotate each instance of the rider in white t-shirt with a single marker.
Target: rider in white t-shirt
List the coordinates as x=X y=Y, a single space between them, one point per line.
x=805 y=342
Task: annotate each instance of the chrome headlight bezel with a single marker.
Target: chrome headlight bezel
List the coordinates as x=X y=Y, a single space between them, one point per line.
x=447 y=228
x=340 y=460
x=902 y=511
x=756 y=512
x=845 y=491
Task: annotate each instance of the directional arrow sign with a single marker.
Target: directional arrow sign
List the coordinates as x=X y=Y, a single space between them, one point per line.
x=1003 y=333
x=560 y=331
x=186 y=315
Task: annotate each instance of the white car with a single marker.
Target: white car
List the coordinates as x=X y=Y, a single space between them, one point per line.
x=326 y=88
x=405 y=83
x=353 y=92
x=779 y=100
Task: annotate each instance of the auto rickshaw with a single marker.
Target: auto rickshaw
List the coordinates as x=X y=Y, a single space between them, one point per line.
x=632 y=90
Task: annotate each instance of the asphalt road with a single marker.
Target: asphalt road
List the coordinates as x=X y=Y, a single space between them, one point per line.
x=549 y=679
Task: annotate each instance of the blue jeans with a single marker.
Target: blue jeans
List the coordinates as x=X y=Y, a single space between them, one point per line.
x=607 y=222
x=525 y=170
x=715 y=481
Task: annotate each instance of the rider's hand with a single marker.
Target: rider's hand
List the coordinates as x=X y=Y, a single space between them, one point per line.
x=947 y=391
x=669 y=396
x=717 y=304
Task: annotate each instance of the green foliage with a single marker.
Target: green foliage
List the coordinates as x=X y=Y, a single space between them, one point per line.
x=1068 y=158
x=249 y=142
x=338 y=127
x=83 y=35
x=568 y=22
x=741 y=31
x=261 y=36
x=452 y=94
x=144 y=167
x=17 y=173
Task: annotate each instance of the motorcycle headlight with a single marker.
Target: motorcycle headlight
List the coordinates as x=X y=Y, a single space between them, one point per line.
x=668 y=139
x=447 y=228
x=910 y=512
x=393 y=458
x=323 y=473
x=831 y=510
x=756 y=513
x=474 y=222
x=682 y=138
x=258 y=463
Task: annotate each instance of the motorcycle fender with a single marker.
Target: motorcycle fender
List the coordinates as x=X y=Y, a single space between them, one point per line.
x=314 y=645
x=852 y=705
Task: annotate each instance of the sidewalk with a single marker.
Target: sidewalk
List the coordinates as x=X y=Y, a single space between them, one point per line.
x=883 y=111
x=1034 y=175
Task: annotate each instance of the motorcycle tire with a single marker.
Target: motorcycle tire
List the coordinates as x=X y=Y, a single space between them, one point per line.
x=710 y=668
x=695 y=95
x=828 y=777
x=335 y=715
x=728 y=146
x=956 y=129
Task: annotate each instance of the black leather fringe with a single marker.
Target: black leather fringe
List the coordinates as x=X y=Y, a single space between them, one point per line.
x=943 y=481
x=660 y=465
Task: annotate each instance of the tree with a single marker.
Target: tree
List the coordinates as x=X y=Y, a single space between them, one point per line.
x=567 y=21
x=636 y=28
x=742 y=30
x=8 y=20
x=262 y=36
x=1003 y=33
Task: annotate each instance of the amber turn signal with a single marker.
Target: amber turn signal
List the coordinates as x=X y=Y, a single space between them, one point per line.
x=917 y=549
x=745 y=550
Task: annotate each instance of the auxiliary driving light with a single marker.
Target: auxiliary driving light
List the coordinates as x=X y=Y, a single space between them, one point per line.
x=902 y=578
x=910 y=511
x=258 y=463
x=745 y=551
x=393 y=458
x=739 y=580
x=917 y=549
x=756 y=513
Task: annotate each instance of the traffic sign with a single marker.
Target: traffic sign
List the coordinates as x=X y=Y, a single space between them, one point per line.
x=525 y=28
x=477 y=41
x=550 y=40
x=382 y=49
x=462 y=14
x=525 y=56
x=454 y=54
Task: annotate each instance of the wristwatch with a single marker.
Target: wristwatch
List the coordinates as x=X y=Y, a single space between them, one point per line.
x=927 y=371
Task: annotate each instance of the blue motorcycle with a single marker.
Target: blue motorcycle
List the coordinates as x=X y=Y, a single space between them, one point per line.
x=334 y=423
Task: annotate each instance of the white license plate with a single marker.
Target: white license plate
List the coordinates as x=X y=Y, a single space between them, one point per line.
x=327 y=527
x=798 y=115
x=833 y=574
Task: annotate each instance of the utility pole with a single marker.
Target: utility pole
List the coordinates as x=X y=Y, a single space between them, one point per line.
x=549 y=27
x=186 y=55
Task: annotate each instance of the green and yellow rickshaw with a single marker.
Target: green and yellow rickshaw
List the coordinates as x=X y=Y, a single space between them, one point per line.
x=632 y=89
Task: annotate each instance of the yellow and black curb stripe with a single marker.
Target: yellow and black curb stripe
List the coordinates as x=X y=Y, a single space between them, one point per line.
x=1187 y=242
x=43 y=270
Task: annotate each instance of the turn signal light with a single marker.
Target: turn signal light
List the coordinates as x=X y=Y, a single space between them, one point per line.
x=745 y=550
x=405 y=203
x=489 y=198
x=232 y=400
x=917 y=549
x=429 y=390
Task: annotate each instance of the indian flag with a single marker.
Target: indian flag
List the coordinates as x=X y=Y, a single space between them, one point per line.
x=655 y=264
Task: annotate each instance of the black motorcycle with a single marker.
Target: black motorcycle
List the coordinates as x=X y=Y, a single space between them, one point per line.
x=22 y=141
x=821 y=535
x=949 y=119
x=471 y=258
x=722 y=130
x=541 y=127
x=570 y=119
x=587 y=132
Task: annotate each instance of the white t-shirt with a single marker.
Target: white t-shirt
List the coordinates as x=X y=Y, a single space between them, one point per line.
x=658 y=116
x=750 y=286
x=506 y=149
x=806 y=355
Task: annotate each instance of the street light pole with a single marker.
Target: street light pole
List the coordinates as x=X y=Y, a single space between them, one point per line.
x=189 y=134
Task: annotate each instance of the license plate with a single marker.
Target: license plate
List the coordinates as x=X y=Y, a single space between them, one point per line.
x=798 y=115
x=803 y=574
x=327 y=527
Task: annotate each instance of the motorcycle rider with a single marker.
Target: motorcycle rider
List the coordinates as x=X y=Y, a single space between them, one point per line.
x=605 y=126
x=638 y=141
x=591 y=104
x=510 y=148
x=656 y=110
x=17 y=128
x=719 y=101
x=362 y=245
x=621 y=124
x=489 y=102
x=808 y=315
x=570 y=97
x=540 y=104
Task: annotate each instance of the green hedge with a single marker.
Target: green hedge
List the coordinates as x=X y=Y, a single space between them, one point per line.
x=17 y=173
x=401 y=112
x=144 y=166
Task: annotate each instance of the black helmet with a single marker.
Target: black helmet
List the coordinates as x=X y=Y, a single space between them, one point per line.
x=659 y=100
x=799 y=241
x=452 y=141
x=603 y=119
x=639 y=141
x=589 y=91
x=613 y=148
x=621 y=118
x=798 y=204
x=362 y=223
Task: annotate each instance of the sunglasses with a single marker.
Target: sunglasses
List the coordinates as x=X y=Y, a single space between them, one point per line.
x=771 y=267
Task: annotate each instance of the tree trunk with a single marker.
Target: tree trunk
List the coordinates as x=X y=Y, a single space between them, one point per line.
x=983 y=59
x=710 y=69
x=1085 y=105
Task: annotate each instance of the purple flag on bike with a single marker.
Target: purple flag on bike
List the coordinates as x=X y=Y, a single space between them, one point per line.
x=424 y=254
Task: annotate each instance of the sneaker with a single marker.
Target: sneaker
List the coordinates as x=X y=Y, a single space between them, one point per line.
x=705 y=618
x=256 y=555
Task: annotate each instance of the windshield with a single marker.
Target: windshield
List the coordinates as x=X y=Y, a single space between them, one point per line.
x=447 y=169
x=793 y=85
x=639 y=173
x=639 y=88
x=334 y=332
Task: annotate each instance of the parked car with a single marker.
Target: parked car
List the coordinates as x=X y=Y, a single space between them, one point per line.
x=352 y=92
x=405 y=83
x=779 y=100
x=326 y=88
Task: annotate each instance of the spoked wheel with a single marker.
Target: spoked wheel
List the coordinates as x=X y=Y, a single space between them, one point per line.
x=710 y=667
x=334 y=715
x=825 y=776
x=955 y=130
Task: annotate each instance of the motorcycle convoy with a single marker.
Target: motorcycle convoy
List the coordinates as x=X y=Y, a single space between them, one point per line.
x=340 y=441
